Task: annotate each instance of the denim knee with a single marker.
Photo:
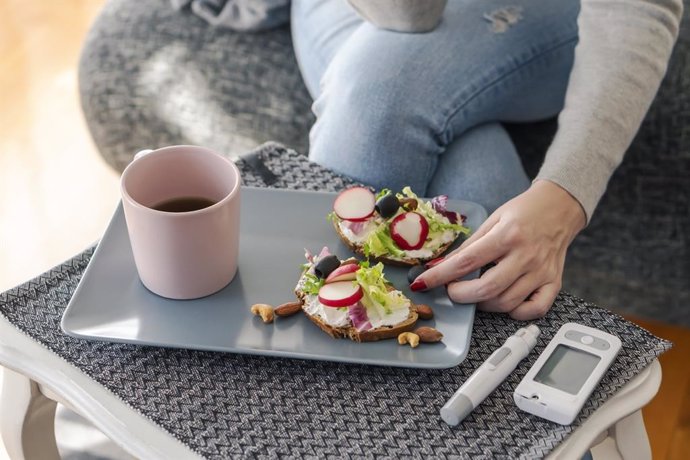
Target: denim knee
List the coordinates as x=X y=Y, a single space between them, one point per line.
x=368 y=129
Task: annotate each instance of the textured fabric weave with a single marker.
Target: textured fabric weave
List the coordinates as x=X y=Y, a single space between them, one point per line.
x=224 y=405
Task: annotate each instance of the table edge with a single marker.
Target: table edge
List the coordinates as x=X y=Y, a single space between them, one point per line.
x=123 y=424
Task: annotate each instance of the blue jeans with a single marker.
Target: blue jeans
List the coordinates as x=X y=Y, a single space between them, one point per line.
x=424 y=110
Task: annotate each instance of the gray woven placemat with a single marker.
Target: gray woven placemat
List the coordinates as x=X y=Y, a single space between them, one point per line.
x=225 y=405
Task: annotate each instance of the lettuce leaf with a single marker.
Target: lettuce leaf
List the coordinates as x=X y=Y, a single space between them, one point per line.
x=437 y=227
x=312 y=284
x=382 y=192
x=376 y=293
x=380 y=243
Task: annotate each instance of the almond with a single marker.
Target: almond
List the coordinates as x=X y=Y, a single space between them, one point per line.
x=349 y=261
x=288 y=309
x=424 y=311
x=408 y=203
x=428 y=334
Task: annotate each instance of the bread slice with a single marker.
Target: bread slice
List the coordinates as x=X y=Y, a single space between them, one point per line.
x=371 y=335
x=404 y=262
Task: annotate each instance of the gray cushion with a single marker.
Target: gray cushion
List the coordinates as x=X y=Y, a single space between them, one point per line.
x=150 y=76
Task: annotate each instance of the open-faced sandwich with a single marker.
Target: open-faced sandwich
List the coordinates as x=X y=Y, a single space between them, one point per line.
x=351 y=299
x=395 y=228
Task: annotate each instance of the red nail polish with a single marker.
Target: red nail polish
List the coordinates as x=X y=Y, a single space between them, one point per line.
x=418 y=285
x=434 y=262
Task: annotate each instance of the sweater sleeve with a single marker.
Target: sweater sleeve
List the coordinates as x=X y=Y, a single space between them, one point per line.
x=620 y=59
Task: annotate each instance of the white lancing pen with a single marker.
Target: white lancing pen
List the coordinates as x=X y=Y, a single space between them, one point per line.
x=490 y=375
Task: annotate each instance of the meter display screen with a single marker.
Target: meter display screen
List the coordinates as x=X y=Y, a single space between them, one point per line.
x=567 y=369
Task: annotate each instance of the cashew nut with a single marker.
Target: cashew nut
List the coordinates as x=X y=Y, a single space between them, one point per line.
x=409 y=337
x=263 y=310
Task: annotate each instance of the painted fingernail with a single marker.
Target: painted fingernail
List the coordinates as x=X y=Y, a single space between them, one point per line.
x=418 y=285
x=434 y=262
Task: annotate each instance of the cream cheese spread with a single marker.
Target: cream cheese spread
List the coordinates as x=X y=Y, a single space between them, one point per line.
x=424 y=253
x=378 y=316
x=368 y=227
x=339 y=317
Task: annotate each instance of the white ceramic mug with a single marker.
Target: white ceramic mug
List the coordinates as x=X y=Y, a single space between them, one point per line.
x=183 y=255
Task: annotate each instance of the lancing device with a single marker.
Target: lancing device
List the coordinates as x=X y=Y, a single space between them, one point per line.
x=490 y=375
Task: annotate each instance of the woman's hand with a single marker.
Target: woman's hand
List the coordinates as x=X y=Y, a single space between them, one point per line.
x=527 y=238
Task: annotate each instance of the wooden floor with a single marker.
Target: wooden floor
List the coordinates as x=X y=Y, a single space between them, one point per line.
x=667 y=417
x=56 y=194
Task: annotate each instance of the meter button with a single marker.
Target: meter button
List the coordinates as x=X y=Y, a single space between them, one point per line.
x=601 y=344
x=587 y=339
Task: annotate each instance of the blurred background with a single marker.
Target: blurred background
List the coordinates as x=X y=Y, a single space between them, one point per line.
x=57 y=195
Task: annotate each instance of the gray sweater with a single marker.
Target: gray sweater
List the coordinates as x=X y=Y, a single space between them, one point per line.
x=620 y=59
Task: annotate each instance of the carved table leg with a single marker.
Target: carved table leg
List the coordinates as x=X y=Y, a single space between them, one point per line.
x=27 y=419
x=631 y=437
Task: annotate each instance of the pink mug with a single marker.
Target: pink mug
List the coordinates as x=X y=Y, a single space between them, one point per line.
x=182 y=207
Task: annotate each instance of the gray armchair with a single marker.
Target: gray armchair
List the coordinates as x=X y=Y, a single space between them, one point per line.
x=150 y=76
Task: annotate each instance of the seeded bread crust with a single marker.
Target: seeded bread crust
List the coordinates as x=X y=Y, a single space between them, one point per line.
x=372 y=335
x=405 y=262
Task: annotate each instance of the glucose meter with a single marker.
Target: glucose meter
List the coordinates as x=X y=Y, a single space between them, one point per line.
x=565 y=374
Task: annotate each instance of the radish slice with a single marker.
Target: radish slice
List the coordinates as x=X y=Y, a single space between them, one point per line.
x=409 y=230
x=343 y=273
x=340 y=294
x=355 y=204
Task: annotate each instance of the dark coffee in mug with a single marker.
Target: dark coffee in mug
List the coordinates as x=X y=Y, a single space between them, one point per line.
x=184 y=204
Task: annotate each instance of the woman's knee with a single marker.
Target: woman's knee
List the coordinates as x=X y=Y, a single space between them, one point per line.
x=390 y=103
x=367 y=128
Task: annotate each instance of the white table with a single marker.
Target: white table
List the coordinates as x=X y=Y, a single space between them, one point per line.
x=39 y=378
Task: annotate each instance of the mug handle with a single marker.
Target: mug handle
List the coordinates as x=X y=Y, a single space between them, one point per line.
x=141 y=153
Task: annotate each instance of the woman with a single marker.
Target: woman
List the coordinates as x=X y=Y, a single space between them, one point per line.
x=424 y=109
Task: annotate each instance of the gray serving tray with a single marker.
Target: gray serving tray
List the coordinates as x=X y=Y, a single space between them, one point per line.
x=112 y=304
